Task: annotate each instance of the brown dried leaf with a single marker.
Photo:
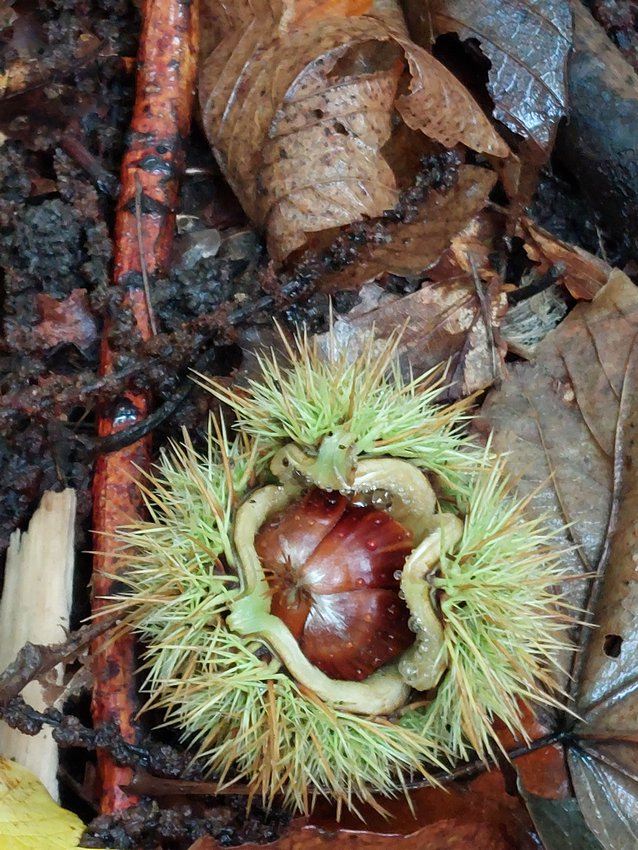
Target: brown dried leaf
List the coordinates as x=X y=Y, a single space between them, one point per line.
x=442 y=820
x=584 y=273
x=605 y=765
x=444 y=323
x=558 y=416
x=527 y=44
x=298 y=113
x=570 y=422
x=415 y=247
x=67 y=321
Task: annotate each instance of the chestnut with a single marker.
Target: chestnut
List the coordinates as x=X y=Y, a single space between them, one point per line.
x=346 y=594
x=333 y=569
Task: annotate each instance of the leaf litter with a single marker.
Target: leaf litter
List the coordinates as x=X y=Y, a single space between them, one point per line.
x=568 y=420
x=303 y=114
x=527 y=44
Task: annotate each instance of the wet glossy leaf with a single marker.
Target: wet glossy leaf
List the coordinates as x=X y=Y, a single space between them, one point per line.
x=527 y=44
x=608 y=798
x=560 y=824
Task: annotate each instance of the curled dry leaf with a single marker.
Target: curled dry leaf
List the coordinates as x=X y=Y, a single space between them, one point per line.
x=528 y=44
x=301 y=102
x=415 y=247
x=584 y=274
x=569 y=420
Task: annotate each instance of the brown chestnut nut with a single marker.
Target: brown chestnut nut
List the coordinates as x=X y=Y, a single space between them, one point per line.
x=332 y=568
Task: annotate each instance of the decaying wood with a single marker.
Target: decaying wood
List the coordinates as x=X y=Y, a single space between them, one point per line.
x=600 y=140
x=35 y=606
x=143 y=236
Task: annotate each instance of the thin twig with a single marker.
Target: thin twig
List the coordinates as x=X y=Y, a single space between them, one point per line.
x=486 y=315
x=478 y=766
x=140 y=244
x=101 y=178
x=33 y=660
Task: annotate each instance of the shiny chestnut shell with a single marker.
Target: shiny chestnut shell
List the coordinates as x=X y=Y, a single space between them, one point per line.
x=331 y=568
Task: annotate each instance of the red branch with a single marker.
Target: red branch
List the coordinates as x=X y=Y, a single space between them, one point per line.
x=143 y=236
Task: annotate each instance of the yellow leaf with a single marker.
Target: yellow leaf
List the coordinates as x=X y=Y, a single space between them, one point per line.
x=29 y=817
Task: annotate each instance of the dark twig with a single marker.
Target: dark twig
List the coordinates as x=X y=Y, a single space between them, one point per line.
x=119 y=439
x=162 y=770
x=69 y=731
x=537 y=286
x=33 y=660
x=101 y=178
x=477 y=766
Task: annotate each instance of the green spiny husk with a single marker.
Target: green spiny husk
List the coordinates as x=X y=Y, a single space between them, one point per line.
x=505 y=623
x=321 y=391
x=248 y=719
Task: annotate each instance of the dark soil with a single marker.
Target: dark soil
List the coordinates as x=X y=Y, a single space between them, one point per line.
x=58 y=178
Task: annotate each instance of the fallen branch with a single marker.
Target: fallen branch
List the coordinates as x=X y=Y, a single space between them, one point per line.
x=143 y=237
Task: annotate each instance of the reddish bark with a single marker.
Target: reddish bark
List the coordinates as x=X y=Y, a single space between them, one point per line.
x=143 y=235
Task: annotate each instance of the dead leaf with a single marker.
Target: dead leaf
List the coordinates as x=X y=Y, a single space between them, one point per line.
x=29 y=818
x=299 y=107
x=560 y=824
x=584 y=274
x=413 y=248
x=608 y=798
x=557 y=417
x=605 y=763
x=528 y=44
x=569 y=420
x=67 y=321
x=454 y=820
x=444 y=323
